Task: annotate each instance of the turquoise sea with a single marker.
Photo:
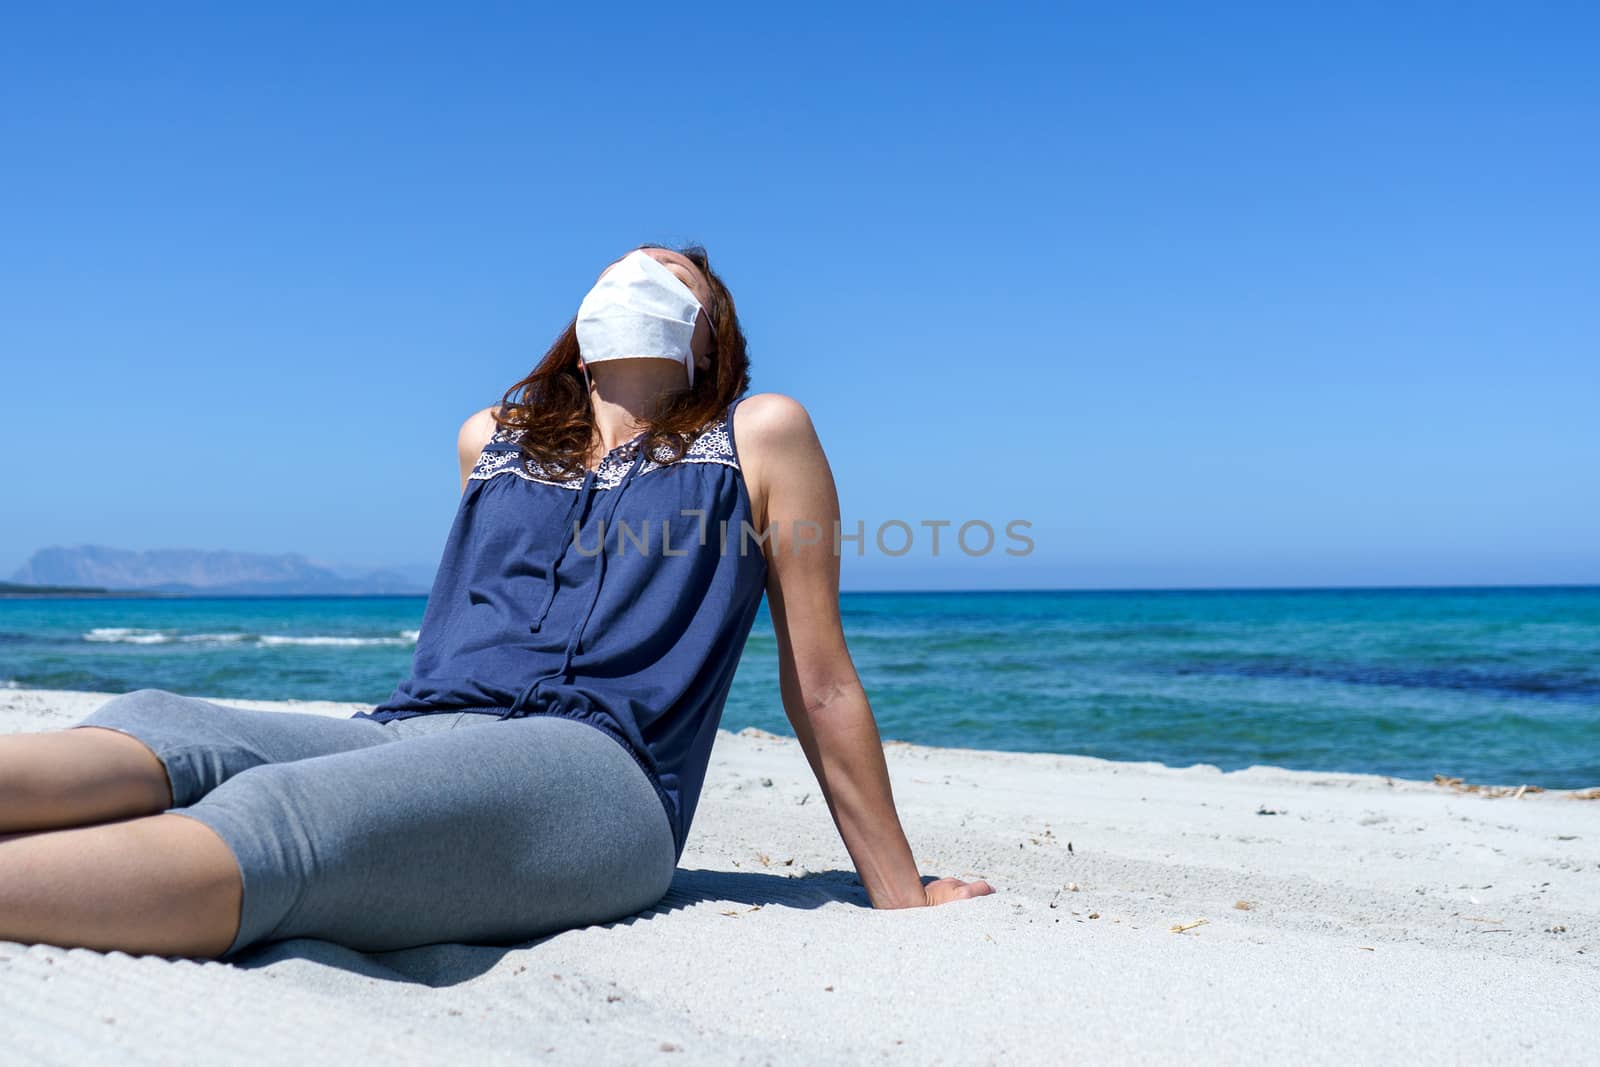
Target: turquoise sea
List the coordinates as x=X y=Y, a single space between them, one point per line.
x=1494 y=685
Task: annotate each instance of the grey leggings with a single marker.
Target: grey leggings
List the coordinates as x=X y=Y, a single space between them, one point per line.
x=453 y=826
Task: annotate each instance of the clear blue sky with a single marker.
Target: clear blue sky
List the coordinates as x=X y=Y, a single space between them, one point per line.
x=1210 y=295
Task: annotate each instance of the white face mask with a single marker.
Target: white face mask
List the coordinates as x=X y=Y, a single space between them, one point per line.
x=638 y=308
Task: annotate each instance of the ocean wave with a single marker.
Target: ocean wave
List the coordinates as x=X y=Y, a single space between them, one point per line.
x=128 y=635
x=317 y=640
x=134 y=635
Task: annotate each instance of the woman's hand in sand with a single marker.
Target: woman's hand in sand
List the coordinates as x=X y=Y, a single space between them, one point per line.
x=944 y=890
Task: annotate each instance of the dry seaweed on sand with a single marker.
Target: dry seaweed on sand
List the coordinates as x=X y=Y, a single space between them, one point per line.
x=1490 y=791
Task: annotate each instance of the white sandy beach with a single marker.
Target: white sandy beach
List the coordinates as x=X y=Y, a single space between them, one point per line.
x=1387 y=920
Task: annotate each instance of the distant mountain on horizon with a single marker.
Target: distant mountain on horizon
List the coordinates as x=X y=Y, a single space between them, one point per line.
x=205 y=571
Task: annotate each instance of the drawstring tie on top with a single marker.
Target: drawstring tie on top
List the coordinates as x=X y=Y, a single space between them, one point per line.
x=575 y=513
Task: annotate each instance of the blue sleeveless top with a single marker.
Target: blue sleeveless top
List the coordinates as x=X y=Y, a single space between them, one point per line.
x=621 y=598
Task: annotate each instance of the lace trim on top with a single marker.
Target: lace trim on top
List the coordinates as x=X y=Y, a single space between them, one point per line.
x=713 y=445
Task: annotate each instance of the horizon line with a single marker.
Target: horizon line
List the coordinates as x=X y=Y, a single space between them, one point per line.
x=134 y=594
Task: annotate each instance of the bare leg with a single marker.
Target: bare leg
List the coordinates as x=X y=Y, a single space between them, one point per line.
x=157 y=884
x=77 y=776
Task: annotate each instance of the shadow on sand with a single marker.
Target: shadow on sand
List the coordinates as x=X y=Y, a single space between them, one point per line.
x=451 y=963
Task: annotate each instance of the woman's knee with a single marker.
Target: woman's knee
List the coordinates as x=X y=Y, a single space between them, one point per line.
x=196 y=741
x=146 y=705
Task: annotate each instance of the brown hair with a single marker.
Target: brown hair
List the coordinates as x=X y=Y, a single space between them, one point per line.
x=557 y=421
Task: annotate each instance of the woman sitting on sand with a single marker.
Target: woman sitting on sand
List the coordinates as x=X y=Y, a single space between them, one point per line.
x=619 y=521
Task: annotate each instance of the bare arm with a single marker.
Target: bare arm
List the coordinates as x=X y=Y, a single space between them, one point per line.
x=793 y=492
x=474 y=434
